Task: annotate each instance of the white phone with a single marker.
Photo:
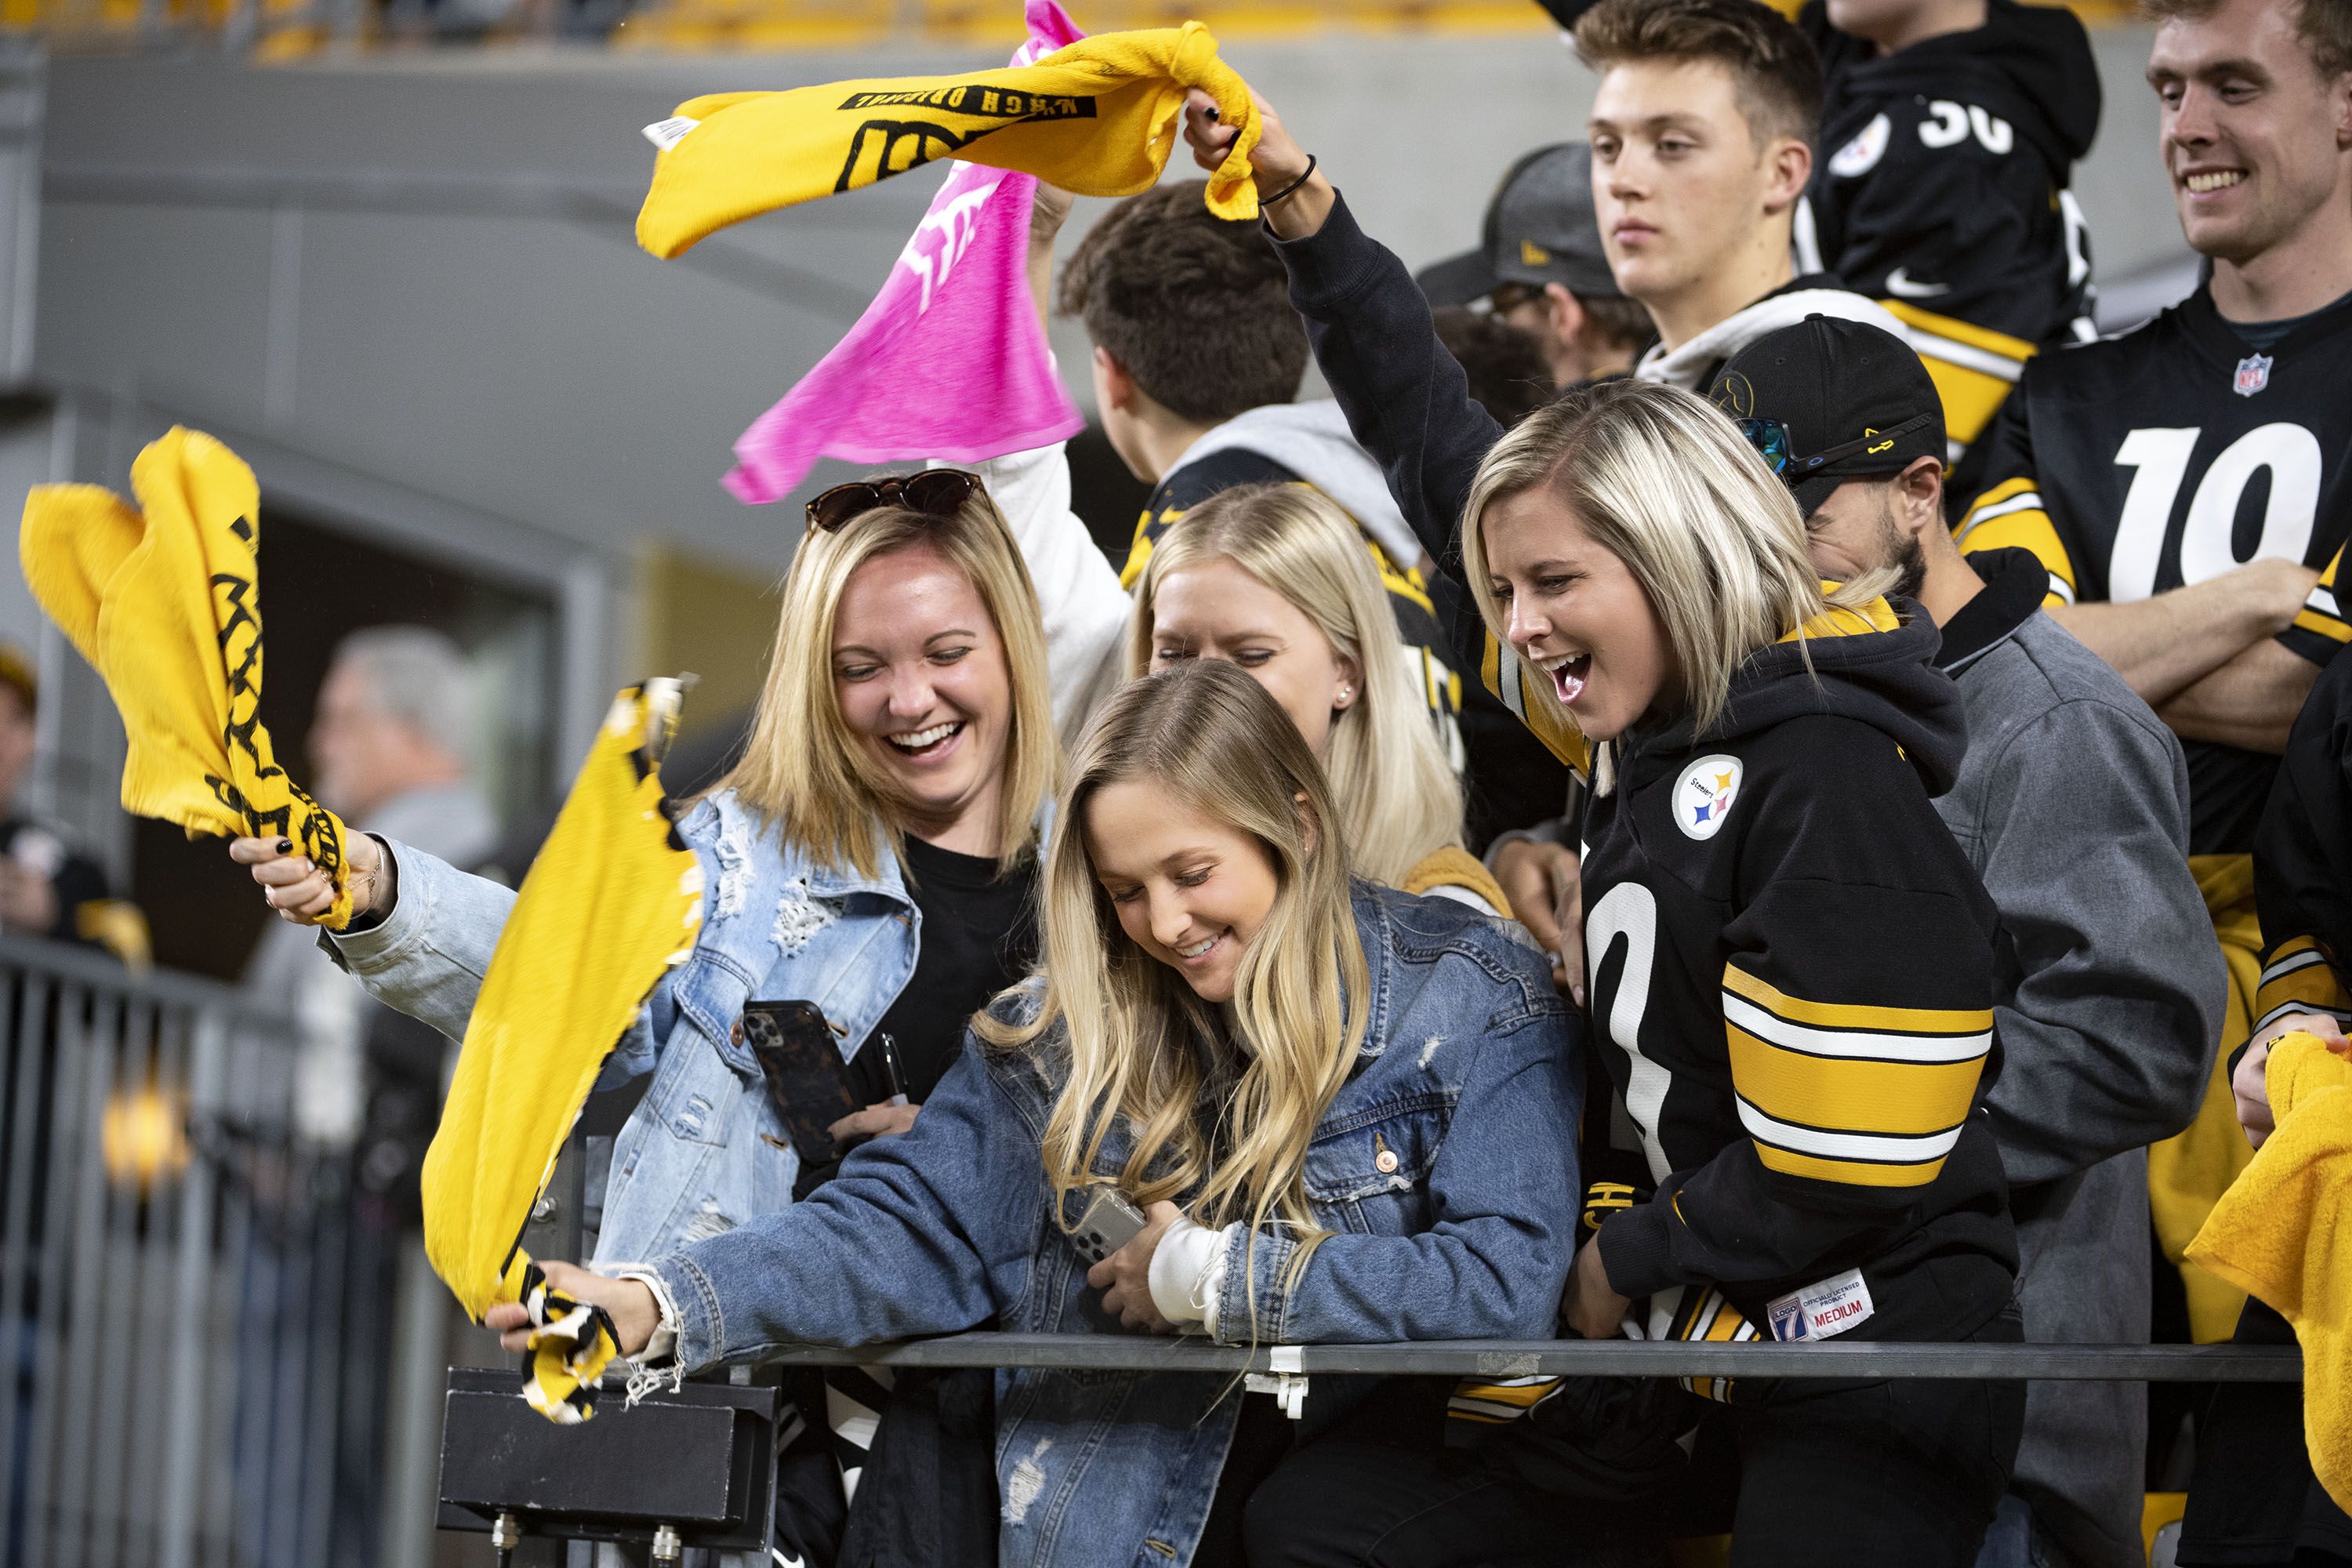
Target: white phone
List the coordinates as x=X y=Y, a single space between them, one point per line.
x=1109 y=1223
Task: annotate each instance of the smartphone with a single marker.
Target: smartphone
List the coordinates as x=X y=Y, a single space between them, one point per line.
x=800 y=1056
x=1109 y=1223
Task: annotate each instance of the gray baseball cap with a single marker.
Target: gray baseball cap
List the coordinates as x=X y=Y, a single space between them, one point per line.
x=1539 y=230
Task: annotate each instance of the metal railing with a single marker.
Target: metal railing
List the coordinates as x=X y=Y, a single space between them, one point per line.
x=1583 y=1358
x=182 y=1284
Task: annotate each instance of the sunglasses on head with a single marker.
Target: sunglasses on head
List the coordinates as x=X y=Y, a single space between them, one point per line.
x=934 y=492
x=1770 y=438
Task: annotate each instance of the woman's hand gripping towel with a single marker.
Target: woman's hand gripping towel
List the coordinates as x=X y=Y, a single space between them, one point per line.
x=163 y=599
x=612 y=903
x=1099 y=118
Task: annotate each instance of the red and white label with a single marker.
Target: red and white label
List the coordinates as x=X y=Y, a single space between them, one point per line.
x=1824 y=1309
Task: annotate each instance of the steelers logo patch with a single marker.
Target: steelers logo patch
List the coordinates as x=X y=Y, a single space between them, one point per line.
x=1703 y=794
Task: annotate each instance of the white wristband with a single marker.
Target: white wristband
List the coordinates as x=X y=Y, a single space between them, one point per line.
x=1188 y=1272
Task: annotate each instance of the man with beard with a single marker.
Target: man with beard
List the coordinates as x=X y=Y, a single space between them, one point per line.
x=2073 y=805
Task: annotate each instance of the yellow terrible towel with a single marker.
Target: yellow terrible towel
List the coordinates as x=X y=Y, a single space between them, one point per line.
x=1098 y=117
x=2283 y=1233
x=165 y=602
x=613 y=900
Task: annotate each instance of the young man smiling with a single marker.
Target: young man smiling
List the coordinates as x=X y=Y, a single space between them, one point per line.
x=2184 y=483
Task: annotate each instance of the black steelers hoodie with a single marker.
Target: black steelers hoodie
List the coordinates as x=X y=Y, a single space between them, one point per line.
x=1791 y=961
x=1791 y=967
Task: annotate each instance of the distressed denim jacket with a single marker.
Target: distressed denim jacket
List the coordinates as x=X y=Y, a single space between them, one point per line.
x=692 y=1161
x=1445 y=1169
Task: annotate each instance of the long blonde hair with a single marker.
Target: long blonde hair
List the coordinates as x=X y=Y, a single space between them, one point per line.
x=1667 y=484
x=1212 y=737
x=804 y=770
x=1398 y=798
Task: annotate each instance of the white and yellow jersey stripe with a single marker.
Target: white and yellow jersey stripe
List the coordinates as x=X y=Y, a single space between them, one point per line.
x=1863 y=1096
x=2297 y=978
x=2012 y=516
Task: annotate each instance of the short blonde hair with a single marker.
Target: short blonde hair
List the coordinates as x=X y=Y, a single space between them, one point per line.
x=804 y=770
x=1396 y=796
x=1666 y=484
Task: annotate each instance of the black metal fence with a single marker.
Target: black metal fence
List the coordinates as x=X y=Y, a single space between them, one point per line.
x=183 y=1285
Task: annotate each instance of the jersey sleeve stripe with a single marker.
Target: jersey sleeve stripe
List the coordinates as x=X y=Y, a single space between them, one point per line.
x=2002 y=354
x=1854 y=1045
x=1895 y=1100
x=1840 y=1016
x=2022 y=528
x=2325 y=622
x=2298 y=978
x=1986 y=509
x=2343 y=1016
x=1770 y=1134
x=1848 y=1173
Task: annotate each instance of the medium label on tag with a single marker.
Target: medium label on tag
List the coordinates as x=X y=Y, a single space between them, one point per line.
x=667 y=133
x=1824 y=1309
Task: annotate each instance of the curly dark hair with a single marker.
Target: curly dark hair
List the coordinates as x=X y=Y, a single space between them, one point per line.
x=1778 y=70
x=1196 y=308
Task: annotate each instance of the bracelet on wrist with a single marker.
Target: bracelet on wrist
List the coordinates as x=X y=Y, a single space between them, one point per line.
x=1291 y=188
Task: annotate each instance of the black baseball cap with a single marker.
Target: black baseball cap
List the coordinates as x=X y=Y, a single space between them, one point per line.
x=1850 y=400
x=1539 y=230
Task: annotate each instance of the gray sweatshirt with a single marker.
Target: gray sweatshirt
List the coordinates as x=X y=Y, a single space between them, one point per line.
x=2073 y=805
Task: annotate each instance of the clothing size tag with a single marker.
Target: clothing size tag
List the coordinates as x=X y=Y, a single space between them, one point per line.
x=1823 y=1309
x=667 y=133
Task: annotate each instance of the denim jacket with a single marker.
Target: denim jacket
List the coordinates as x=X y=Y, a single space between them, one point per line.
x=1445 y=1169
x=692 y=1161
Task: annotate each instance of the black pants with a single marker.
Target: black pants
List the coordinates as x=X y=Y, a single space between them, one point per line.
x=1840 y=1475
x=2253 y=1501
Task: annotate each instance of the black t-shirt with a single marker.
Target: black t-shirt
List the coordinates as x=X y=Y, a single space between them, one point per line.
x=978 y=935
x=2168 y=456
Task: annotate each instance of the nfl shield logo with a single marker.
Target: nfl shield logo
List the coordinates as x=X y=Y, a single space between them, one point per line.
x=2253 y=374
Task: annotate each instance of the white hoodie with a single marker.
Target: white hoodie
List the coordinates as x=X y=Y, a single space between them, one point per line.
x=1694 y=364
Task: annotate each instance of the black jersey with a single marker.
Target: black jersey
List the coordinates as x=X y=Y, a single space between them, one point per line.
x=1790 y=966
x=1941 y=193
x=1503 y=767
x=2303 y=862
x=2165 y=456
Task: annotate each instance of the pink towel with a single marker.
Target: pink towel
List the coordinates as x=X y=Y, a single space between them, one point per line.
x=949 y=360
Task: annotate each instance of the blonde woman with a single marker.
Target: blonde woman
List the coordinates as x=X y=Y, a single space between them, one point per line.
x=1276 y=579
x=875 y=853
x=1792 y=958
x=1348 y=1114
